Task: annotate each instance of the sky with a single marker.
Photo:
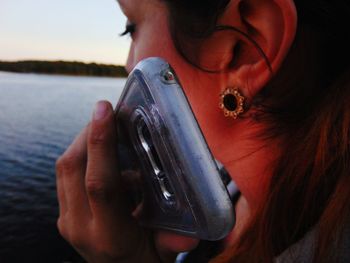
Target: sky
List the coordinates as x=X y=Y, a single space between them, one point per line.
x=73 y=30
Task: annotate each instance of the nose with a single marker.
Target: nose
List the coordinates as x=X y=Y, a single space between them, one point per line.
x=130 y=62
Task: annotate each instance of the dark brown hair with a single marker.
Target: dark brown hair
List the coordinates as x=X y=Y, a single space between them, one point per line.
x=308 y=104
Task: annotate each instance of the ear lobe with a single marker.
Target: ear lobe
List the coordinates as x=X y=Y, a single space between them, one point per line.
x=272 y=25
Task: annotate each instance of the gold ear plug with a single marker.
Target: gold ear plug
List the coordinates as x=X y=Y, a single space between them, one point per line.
x=232 y=103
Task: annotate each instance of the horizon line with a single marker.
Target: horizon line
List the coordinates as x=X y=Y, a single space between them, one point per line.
x=62 y=60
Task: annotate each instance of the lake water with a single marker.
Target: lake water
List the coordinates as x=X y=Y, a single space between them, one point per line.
x=39 y=117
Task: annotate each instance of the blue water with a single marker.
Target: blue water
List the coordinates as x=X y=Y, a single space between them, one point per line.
x=39 y=117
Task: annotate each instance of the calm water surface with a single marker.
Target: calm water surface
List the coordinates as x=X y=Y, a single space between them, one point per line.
x=39 y=117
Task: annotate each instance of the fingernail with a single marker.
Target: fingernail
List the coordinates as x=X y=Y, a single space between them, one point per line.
x=100 y=111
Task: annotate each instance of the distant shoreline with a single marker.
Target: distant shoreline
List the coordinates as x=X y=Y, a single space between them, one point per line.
x=71 y=68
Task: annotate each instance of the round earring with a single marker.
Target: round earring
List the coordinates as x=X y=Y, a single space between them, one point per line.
x=232 y=103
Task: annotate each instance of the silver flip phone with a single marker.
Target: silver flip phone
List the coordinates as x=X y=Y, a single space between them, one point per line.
x=160 y=140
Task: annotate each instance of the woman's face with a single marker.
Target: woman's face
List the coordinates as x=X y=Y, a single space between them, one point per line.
x=228 y=139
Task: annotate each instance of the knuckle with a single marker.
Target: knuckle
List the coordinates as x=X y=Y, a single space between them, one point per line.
x=66 y=164
x=70 y=234
x=97 y=190
x=98 y=136
x=61 y=227
x=59 y=162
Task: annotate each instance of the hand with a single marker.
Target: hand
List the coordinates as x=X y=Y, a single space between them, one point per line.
x=95 y=213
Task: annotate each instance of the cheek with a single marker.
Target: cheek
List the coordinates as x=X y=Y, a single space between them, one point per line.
x=151 y=41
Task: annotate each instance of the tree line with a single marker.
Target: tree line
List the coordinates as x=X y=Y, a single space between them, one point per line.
x=64 y=68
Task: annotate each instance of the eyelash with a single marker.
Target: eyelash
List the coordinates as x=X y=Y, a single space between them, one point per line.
x=130 y=29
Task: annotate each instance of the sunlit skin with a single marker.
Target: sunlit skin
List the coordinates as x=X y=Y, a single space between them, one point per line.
x=235 y=143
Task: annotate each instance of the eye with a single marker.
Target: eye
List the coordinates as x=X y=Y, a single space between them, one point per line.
x=130 y=29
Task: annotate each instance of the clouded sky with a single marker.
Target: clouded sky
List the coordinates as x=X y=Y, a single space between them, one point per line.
x=81 y=30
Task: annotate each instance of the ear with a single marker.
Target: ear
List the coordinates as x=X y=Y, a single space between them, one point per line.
x=272 y=25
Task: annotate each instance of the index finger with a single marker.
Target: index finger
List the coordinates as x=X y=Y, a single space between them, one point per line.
x=103 y=182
